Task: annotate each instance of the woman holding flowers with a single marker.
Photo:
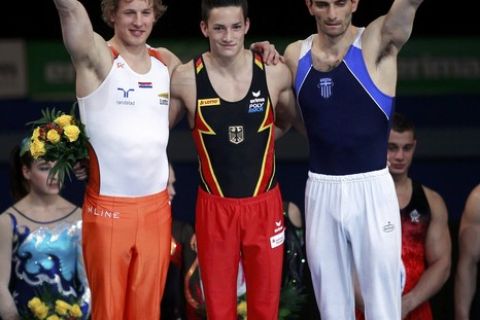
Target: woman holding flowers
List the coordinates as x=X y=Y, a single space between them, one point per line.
x=41 y=269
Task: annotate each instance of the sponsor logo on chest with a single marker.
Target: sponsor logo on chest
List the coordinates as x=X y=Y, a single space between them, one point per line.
x=208 y=102
x=257 y=103
x=163 y=98
x=124 y=96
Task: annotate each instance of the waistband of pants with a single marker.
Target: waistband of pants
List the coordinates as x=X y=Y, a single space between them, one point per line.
x=242 y=201
x=364 y=176
x=160 y=196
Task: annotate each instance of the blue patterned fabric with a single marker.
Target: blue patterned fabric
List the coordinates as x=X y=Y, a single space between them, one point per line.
x=46 y=263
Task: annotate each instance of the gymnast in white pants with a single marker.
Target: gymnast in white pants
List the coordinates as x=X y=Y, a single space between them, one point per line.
x=352 y=221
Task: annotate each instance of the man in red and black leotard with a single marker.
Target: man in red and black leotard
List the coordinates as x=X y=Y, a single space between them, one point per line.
x=235 y=104
x=426 y=244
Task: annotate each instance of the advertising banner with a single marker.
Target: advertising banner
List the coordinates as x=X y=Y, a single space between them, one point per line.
x=433 y=66
x=13 y=82
x=50 y=71
x=439 y=66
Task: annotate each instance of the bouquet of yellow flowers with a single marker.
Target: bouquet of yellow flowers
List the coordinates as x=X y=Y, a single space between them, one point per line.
x=57 y=137
x=60 y=311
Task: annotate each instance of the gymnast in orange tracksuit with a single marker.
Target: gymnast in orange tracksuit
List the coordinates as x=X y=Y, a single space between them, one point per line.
x=126 y=218
x=127 y=221
x=123 y=89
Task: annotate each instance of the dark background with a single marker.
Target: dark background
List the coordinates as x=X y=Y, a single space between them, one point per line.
x=269 y=18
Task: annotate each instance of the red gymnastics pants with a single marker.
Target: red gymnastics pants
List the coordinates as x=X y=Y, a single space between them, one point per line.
x=230 y=229
x=126 y=247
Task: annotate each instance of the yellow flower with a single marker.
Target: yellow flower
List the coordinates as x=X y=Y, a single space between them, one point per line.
x=41 y=312
x=72 y=132
x=64 y=120
x=61 y=307
x=75 y=311
x=34 y=302
x=37 y=148
x=53 y=317
x=242 y=308
x=36 y=133
x=39 y=309
x=53 y=136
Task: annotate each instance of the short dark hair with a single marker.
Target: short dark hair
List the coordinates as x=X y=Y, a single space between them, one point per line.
x=208 y=5
x=400 y=123
x=110 y=6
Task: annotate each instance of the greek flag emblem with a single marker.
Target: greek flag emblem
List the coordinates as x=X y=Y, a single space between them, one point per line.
x=325 y=85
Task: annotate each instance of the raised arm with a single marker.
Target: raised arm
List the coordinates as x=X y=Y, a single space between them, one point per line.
x=469 y=256
x=438 y=256
x=8 y=310
x=391 y=31
x=382 y=41
x=89 y=52
x=398 y=23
